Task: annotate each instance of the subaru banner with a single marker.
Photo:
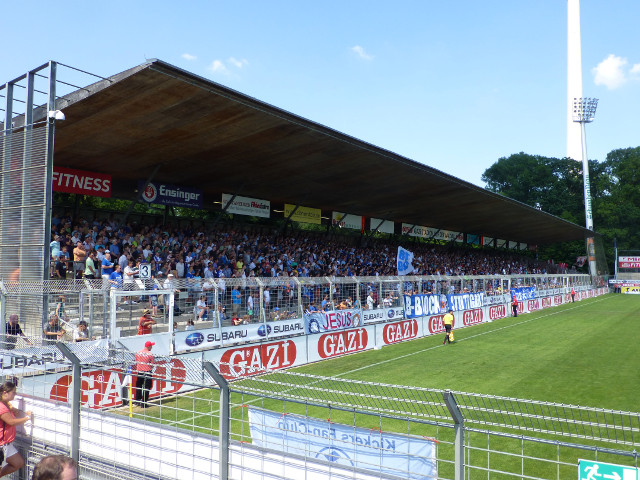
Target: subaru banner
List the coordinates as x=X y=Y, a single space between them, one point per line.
x=216 y=337
x=405 y=456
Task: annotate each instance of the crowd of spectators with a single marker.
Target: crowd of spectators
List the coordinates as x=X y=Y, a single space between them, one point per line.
x=196 y=252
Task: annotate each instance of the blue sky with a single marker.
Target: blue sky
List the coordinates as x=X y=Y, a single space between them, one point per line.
x=452 y=84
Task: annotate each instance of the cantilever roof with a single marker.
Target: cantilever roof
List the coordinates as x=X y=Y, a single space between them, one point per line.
x=203 y=134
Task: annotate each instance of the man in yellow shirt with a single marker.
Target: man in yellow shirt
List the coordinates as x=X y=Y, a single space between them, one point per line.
x=448 y=324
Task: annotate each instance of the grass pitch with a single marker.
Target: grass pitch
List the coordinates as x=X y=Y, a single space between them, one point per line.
x=583 y=353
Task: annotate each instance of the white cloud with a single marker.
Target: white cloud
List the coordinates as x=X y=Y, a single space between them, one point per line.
x=359 y=51
x=188 y=56
x=635 y=70
x=218 y=67
x=238 y=63
x=611 y=72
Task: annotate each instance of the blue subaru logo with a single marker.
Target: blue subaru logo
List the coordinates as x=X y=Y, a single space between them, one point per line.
x=194 y=339
x=264 y=330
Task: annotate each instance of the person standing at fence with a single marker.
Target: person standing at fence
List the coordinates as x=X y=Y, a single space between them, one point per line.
x=9 y=419
x=90 y=266
x=144 y=368
x=79 y=257
x=448 y=324
x=573 y=295
x=514 y=306
x=107 y=265
x=56 y=467
x=53 y=332
x=145 y=323
x=12 y=332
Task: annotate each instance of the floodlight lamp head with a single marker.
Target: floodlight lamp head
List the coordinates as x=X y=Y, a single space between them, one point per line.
x=584 y=109
x=56 y=114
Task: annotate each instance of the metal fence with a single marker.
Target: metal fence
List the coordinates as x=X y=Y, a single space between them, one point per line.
x=291 y=425
x=231 y=301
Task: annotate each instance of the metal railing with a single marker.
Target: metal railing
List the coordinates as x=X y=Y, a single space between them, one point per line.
x=201 y=426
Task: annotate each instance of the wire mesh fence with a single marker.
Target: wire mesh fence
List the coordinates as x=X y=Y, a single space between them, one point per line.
x=287 y=424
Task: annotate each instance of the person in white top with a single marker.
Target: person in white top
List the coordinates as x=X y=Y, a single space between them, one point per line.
x=267 y=298
x=370 y=301
x=128 y=279
x=201 y=310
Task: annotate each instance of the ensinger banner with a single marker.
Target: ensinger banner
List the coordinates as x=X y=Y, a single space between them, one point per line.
x=165 y=194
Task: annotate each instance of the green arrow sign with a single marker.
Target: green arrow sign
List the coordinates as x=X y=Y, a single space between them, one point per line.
x=588 y=470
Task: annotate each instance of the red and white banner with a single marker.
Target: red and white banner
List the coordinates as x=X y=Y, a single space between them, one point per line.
x=628 y=262
x=69 y=180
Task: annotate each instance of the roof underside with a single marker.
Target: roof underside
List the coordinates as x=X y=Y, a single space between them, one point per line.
x=204 y=135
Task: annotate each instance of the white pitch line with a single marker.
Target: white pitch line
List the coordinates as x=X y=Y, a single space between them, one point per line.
x=411 y=354
x=461 y=340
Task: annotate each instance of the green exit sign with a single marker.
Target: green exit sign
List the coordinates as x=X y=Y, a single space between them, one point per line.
x=588 y=470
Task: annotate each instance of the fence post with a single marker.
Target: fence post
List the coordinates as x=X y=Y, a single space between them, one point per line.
x=3 y=320
x=223 y=446
x=75 y=402
x=458 y=419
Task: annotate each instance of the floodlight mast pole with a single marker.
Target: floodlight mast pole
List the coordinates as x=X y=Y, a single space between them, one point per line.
x=584 y=110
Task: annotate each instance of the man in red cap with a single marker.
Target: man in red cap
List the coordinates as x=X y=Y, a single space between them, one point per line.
x=144 y=368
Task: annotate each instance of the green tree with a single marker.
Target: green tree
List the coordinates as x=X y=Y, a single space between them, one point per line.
x=617 y=211
x=552 y=185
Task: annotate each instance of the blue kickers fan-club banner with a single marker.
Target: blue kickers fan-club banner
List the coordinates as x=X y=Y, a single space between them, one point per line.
x=404 y=456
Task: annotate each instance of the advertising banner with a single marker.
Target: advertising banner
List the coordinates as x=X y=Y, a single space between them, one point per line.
x=102 y=388
x=353 y=222
x=465 y=301
x=253 y=207
x=396 y=332
x=69 y=180
x=303 y=214
x=319 y=322
x=422 y=305
x=382 y=314
x=631 y=290
x=429 y=232
x=33 y=360
x=524 y=293
x=628 y=262
x=337 y=343
x=247 y=360
x=405 y=456
x=217 y=337
x=165 y=194
x=382 y=226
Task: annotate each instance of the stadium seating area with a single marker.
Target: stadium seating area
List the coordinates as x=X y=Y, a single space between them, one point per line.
x=219 y=253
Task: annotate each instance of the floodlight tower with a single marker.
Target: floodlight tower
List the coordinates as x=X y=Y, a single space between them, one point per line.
x=574 y=76
x=584 y=110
